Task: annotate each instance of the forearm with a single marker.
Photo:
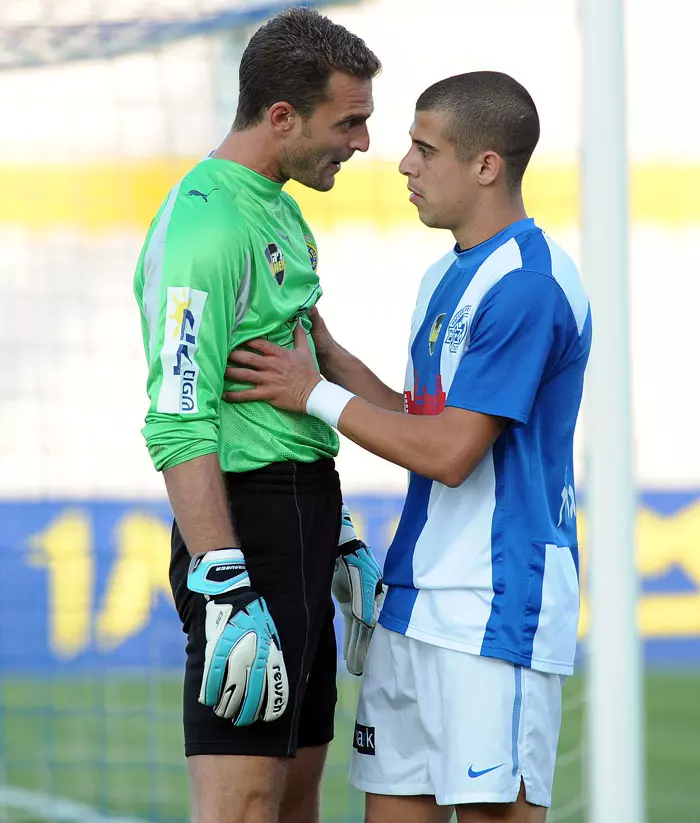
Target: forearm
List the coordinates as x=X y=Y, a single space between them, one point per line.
x=446 y=447
x=198 y=498
x=343 y=368
x=412 y=441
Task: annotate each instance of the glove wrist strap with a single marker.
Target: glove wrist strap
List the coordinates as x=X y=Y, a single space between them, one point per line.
x=218 y=572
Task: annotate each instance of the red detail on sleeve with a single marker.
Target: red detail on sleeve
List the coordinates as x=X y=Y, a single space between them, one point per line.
x=432 y=404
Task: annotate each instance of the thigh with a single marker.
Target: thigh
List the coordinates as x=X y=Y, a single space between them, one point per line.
x=390 y=751
x=317 y=713
x=492 y=727
x=288 y=532
x=420 y=809
x=301 y=802
x=235 y=789
x=519 y=812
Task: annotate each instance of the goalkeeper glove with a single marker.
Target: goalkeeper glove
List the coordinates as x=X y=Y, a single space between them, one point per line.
x=244 y=674
x=357 y=586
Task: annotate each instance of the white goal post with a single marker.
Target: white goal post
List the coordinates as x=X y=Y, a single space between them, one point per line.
x=615 y=732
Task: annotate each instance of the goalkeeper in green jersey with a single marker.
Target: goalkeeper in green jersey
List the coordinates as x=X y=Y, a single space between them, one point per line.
x=260 y=535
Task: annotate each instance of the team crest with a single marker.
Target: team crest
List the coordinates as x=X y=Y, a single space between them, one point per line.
x=313 y=252
x=275 y=260
x=435 y=332
x=458 y=328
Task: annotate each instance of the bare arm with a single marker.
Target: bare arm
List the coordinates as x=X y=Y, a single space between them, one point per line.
x=198 y=499
x=343 y=368
x=446 y=447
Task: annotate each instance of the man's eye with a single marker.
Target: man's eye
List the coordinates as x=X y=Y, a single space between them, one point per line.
x=423 y=151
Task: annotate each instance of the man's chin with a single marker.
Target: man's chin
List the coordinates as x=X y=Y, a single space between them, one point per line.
x=318 y=184
x=430 y=220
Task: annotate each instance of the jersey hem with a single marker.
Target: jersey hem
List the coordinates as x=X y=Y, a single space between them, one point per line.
x=481 y=650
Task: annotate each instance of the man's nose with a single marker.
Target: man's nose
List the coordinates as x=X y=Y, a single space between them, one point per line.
x=360 y=141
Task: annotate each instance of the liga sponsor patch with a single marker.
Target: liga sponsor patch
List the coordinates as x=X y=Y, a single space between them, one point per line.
x=183 y=317
x=363 y=740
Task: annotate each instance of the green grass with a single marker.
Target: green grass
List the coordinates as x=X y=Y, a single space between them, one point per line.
x=116 y=745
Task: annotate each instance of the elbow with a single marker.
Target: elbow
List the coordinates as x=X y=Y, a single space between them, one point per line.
x=452 y=479
x=451 y=473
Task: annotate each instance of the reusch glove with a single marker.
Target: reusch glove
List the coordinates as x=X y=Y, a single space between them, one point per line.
x=244 y=674
x=357 y=586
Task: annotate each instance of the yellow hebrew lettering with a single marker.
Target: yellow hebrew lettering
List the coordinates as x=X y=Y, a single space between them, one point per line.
x=138 y=576
x=661 y=544
x=664 y=542
x=64 y=548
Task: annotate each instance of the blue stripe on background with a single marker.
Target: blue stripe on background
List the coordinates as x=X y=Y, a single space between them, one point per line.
x=517 y=704
x=29 y=577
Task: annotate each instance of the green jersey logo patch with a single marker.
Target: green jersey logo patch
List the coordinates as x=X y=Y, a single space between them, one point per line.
x=313 y=251
x=275 y=260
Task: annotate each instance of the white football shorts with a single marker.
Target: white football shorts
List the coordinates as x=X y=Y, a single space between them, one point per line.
x=464 y=728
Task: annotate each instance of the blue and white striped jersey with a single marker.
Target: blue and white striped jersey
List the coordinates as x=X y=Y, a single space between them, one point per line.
x=491 y=567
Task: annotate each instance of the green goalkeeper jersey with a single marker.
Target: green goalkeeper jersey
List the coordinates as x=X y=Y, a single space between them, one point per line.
x=227 y=258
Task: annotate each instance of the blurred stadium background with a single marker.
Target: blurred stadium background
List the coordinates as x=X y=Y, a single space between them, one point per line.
x=103 y=106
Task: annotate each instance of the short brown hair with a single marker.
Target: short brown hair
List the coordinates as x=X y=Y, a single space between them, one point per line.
x=487 y=110
x=291 y=58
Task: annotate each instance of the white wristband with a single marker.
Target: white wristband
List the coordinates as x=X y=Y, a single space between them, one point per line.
x=327 y=402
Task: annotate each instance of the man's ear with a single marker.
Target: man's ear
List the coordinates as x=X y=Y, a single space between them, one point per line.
x=282 y=117
x=491 y=168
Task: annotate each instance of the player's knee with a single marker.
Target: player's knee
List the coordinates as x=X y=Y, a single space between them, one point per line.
x=248 y=806
x=236 y=789
x=301 y=808
x=302 y=797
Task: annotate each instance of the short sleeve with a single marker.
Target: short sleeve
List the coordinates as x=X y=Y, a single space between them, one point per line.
x=512 y=342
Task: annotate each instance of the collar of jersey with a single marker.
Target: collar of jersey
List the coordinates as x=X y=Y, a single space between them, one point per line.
x=477 y=254
x=261 y=187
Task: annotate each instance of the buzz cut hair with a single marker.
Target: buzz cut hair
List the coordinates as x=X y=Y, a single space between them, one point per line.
x=487 y=111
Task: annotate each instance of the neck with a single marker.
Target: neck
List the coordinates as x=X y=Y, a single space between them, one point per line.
x=489 y=219
x=251 y=148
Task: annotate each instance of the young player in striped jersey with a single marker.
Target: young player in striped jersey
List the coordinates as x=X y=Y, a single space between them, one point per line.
x=461 y=697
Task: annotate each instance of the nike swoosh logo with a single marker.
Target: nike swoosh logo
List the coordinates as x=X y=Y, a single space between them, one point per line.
x=284 y=237
x=472 y=773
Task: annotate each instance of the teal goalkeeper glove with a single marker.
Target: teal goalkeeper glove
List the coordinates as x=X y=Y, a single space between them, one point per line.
x=357 y=586
x=244 y=674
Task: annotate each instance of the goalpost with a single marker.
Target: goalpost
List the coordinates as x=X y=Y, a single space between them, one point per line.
x=615 y=739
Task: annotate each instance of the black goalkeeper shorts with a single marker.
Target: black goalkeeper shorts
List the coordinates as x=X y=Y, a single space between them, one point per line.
x=287 y=517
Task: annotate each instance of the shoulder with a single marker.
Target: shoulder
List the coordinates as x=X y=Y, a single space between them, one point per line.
x=198 y=212
x=434 y=274
x=539 y=273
